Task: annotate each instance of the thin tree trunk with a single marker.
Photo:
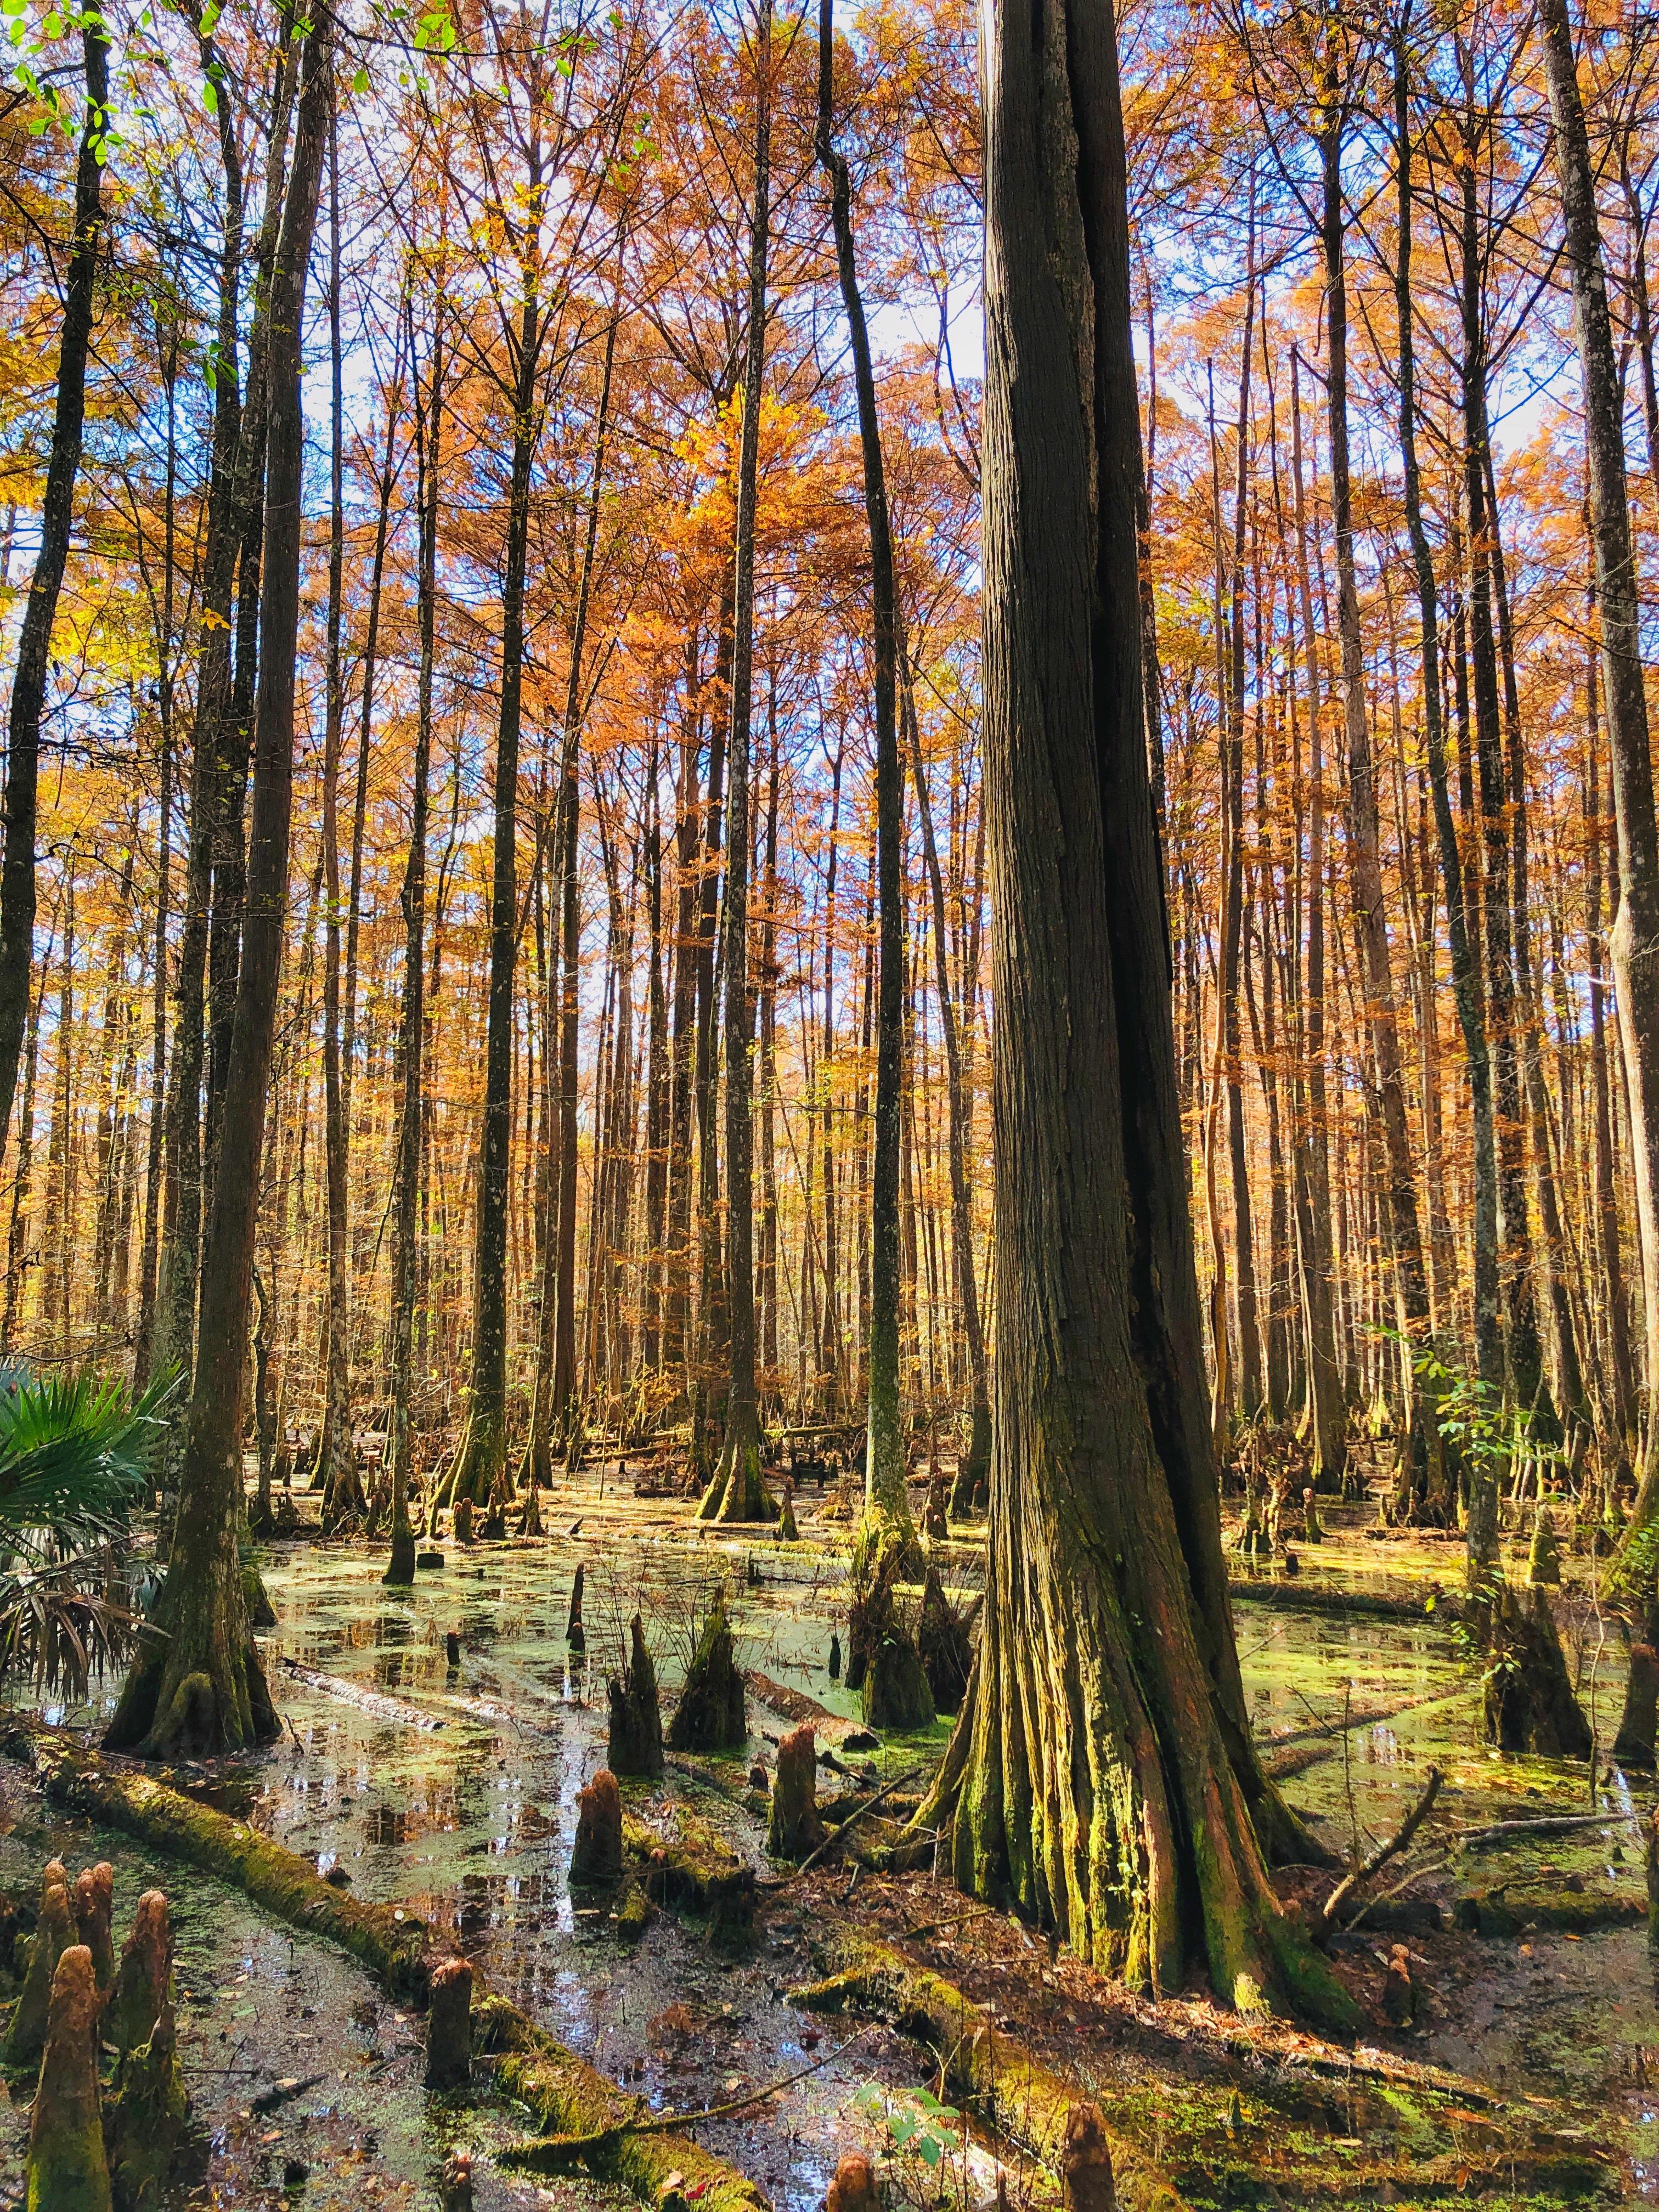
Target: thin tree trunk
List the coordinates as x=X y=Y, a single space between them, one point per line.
x=34 y=663
x=884 y=1490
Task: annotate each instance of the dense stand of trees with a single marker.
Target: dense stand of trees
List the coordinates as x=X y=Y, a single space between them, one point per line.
x=631 y=1002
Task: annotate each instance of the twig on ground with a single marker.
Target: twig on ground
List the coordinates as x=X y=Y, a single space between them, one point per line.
x=538 y=2150
x=1398 y=1842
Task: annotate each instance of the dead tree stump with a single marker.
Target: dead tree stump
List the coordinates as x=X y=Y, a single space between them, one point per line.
x=449 y=2026
x=1085 y=2163
x=574 y=1634
x=634 y=1743
x=597 y=1859
x=794 y=1830
x=68 y=2169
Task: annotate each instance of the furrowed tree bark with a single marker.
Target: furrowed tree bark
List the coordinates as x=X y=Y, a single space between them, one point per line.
x=199 y=1685
x=883 y=1478
x=735 y=1492
x=1634 y=937
x=28 y=689
x=1105 y=1784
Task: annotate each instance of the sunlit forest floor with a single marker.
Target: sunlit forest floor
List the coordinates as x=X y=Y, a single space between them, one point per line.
x=1521 y=2079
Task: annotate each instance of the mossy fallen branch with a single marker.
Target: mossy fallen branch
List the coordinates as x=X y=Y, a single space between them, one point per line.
x=1496 y=1912
x=1007 y=2083
x=568 y=2098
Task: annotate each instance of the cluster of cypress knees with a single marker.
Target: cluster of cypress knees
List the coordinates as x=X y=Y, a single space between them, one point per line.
x=97 y=2142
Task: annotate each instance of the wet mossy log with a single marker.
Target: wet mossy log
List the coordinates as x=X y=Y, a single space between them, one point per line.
x=568 y=2097
x=389 y=1941
x=711 y=1715
x=1302 y=1596
x=1503 y=1911
x=68 y=2169
x=635 y=1743
x=567 y=2094
x=1009 y=2085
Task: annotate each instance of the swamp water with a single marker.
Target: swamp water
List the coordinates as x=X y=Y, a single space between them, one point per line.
x=295 y=2060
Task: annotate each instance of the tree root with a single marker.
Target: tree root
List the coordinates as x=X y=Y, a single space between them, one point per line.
x=1009 y=2084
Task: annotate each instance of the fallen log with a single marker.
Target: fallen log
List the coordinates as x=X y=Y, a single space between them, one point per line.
x=1300 y=1596
x=1548 y=1824
x=1009 y=2084
x=1495 y=1913
x=373 y=1702
x=1400 y=1841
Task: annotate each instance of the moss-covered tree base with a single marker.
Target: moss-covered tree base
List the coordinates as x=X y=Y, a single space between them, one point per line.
x=896 y=1691
x=197 y=1687
x=1530 y=1704
x=712 y=1714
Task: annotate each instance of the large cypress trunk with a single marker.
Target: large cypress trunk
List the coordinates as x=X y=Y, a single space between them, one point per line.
x=202 y=1687
x=1105 y=1777
x=28 y=689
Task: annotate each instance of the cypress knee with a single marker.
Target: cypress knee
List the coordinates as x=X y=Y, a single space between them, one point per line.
x=1085 y=2163
x=146 y=1971
x=574 y=1634
x=68 y=2170
x=597 y=1858
x=711 y=1715
x=94 y=1905
x=634 y=1744
x=54 y=1933
x=853 y=2188
x=1633 y=1746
